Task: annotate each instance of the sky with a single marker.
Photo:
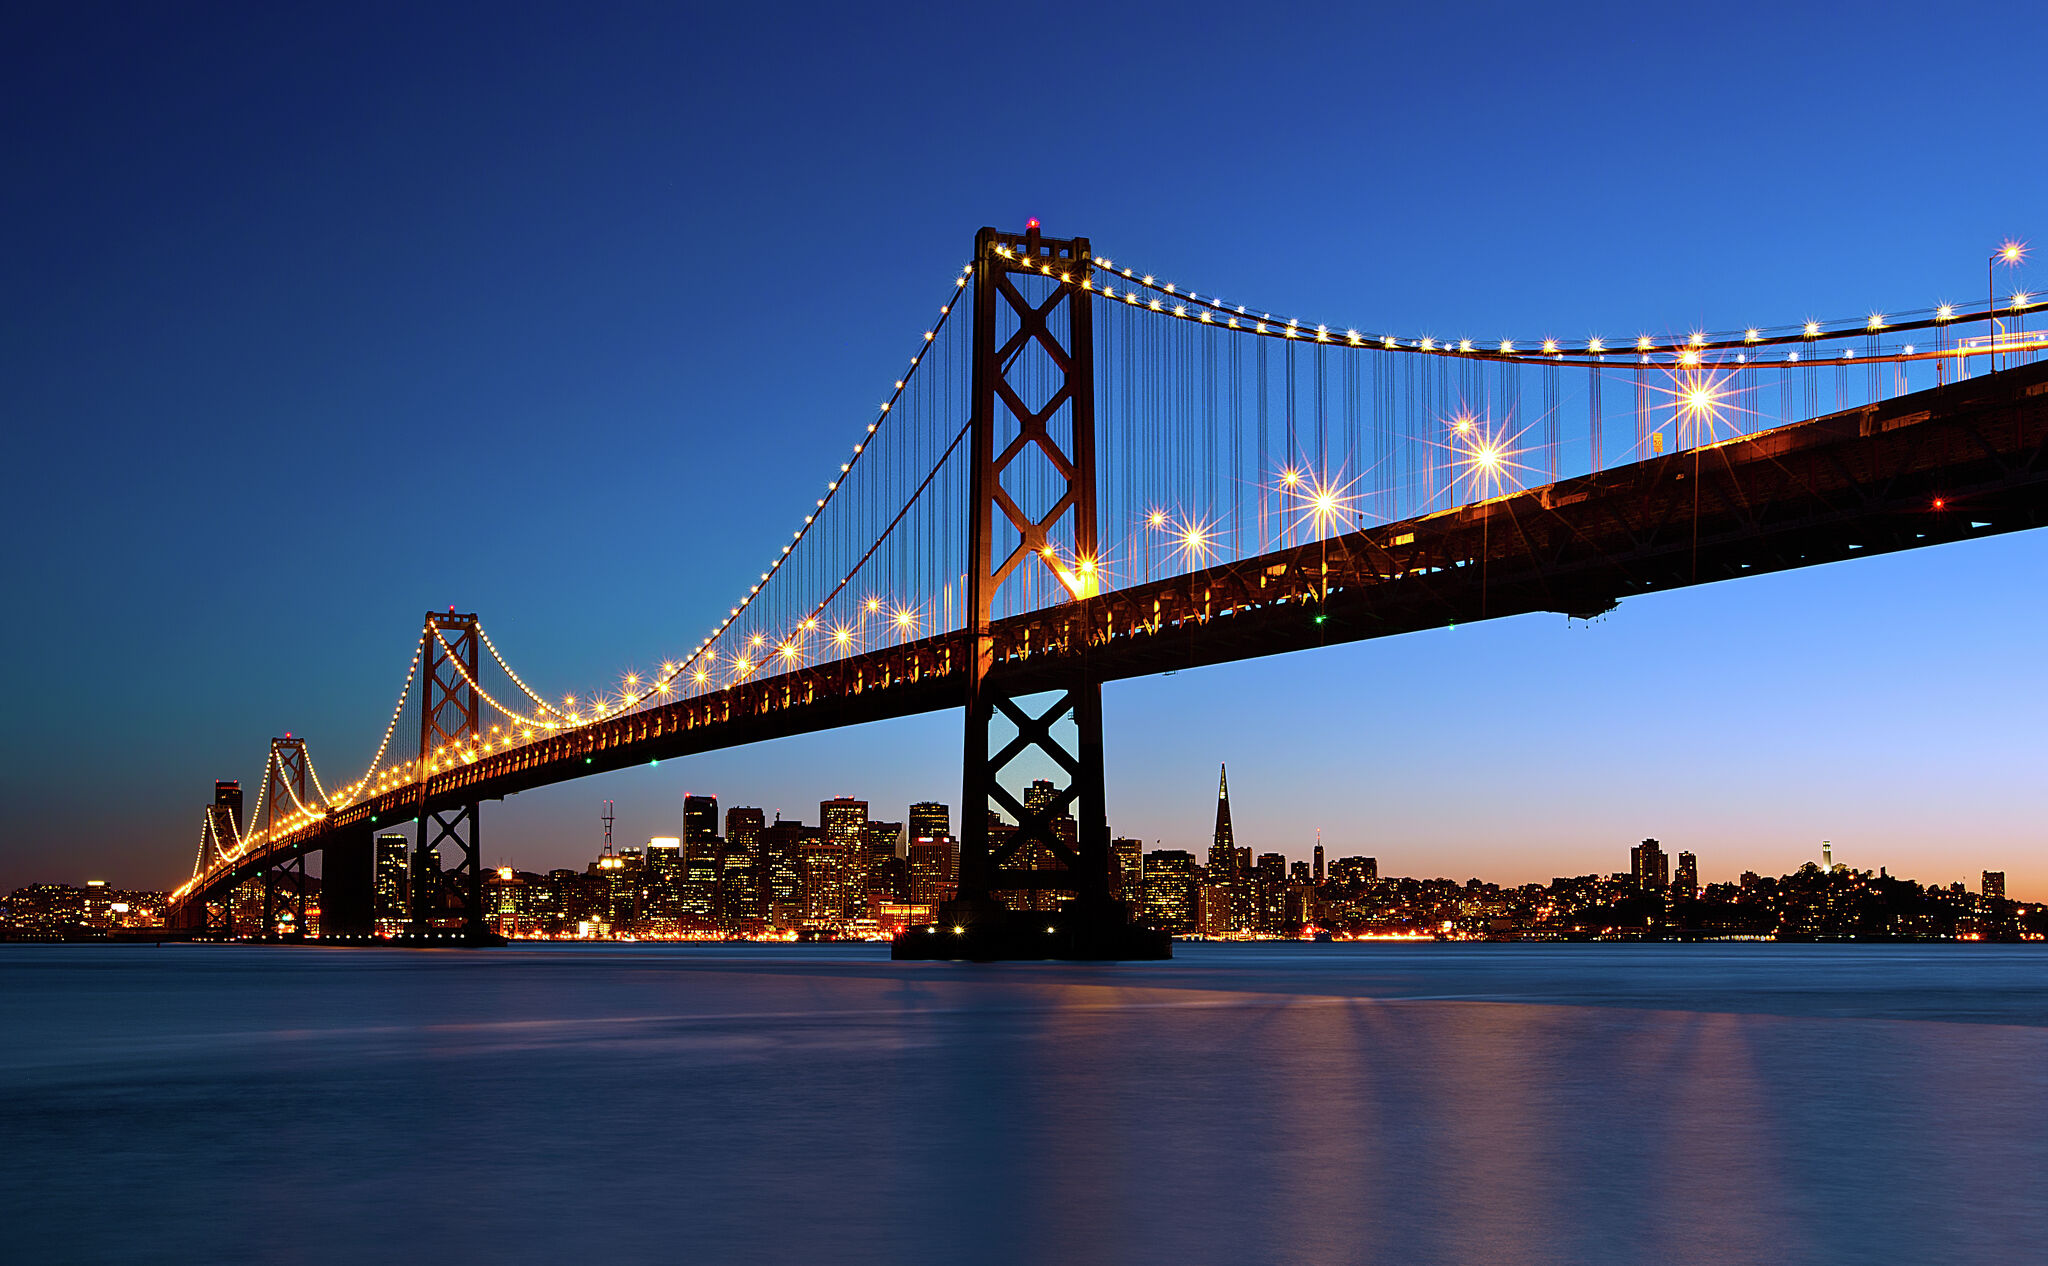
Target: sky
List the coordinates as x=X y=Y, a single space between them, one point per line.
x=319 y=317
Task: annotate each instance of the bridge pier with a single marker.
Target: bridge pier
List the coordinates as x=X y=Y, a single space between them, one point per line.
x=348 y=893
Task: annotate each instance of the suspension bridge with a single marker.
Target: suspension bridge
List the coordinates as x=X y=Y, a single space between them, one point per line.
x=1086 y=473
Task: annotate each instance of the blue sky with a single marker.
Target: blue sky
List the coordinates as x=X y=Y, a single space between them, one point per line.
x=315 y=321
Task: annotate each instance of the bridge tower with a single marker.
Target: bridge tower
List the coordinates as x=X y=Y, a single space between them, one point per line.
x=448 y=722
x=284 y=776
x=1032 y=504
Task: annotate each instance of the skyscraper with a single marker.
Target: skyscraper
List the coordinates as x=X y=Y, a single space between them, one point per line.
x=744 y=900
x=782 y=863
x=700 y=837
x=388 y=880
x=1319 y=859
x=1225 y=904
x=664 y=882
x=844 y=820
x=930 y=820
x=1128 y=872
x=1223 y=847
x=934 y=869
x=1994 y=885
x=1171 y=895
x=835 y=876
x=228 y=797
x=1650 y=866
x=1688 y=882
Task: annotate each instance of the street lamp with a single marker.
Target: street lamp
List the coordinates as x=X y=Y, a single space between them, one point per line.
x=2010 y=254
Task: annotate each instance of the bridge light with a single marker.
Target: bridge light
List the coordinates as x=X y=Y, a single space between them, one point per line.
x=1813 y=329
x=1595 y=345
x=2012 y=252
x=2020 y=299
x=1751 y=335
x=1945 y=312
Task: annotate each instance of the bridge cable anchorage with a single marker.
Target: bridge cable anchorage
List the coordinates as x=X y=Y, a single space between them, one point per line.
x=1214 y=312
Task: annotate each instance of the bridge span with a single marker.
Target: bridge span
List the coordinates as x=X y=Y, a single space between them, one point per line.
x=1949 y=463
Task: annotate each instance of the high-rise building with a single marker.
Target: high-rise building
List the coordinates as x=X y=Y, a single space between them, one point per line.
x=934 y=869
x=744 y=899
x=1687 y=885
x=1650 y=866
x=1994 y=885
x=228 y=797
x=387 y=871
x=930 y=820
x=1225 y=886
x=782 y=866
x=700 y=839
x=1127 y=859
x=844 y=820
x=1223 y=845
x=1319 y=863
x=743 y=826
x=665 y=879
x=1172 y=896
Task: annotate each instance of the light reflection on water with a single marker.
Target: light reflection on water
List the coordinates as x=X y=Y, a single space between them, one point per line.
x=1380 y=1103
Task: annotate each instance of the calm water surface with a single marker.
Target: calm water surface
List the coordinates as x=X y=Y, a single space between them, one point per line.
x=1267 y=1103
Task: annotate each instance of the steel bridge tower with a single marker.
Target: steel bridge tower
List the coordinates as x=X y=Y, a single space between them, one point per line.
x=1012 y=334
x=285 y=776
x=449 y=711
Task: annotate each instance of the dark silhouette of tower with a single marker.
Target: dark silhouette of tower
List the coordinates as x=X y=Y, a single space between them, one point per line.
x=1223 y=848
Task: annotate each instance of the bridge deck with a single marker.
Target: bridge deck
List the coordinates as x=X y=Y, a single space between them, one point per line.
x=1865 y=481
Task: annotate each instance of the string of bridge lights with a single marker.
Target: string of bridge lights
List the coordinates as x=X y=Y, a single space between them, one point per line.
x=1169 y=299
x=602 y=709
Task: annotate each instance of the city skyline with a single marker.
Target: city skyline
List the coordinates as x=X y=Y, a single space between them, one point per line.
x=645 y=829
x=549 y=326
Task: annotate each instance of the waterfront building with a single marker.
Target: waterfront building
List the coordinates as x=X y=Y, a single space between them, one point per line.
x=1687 y=884
x=1994 y=885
